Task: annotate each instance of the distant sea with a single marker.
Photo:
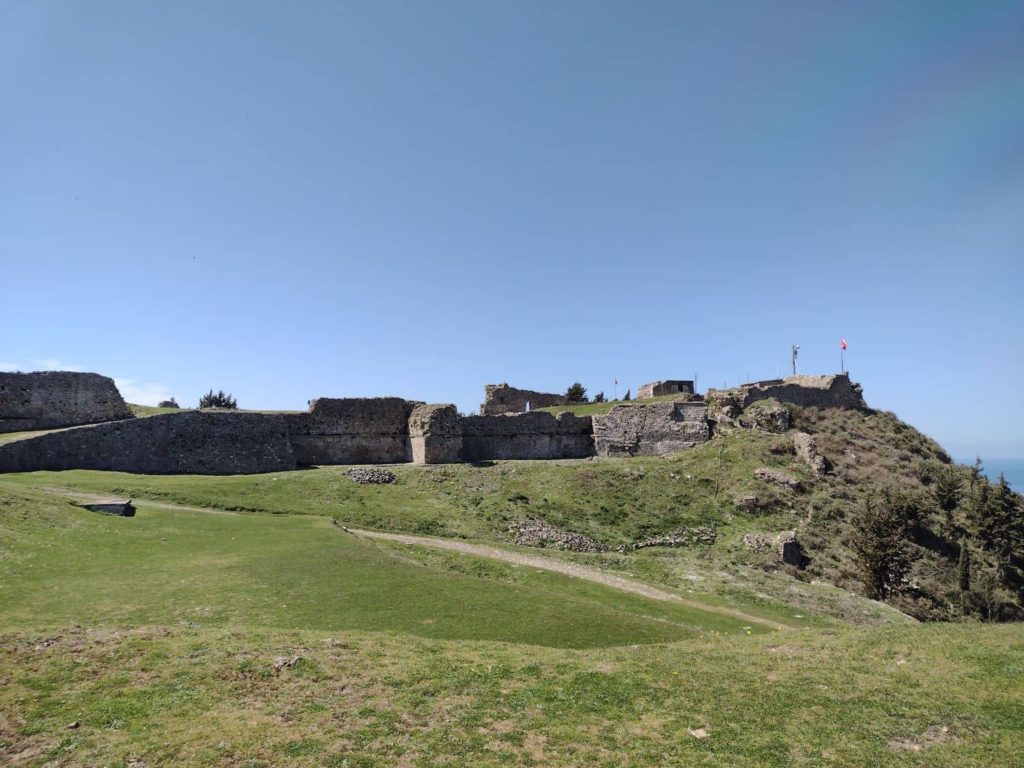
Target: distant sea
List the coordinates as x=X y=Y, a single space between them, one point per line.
x=1012 y=468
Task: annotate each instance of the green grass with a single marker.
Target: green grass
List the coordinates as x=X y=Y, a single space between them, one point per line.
x=166 y=567
x=158 y=634
x=211 y=696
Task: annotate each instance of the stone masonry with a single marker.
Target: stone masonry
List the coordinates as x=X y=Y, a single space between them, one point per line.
x=381 y=430
x=535 y=435
x=501 y=398
x=53 y=399
x=666 y=387
x=653 y=429
x=190 y=442
x=355 y=430
x=435 y=434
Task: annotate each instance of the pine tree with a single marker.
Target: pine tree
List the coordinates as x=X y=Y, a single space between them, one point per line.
x=963 y=568
x=627 y=395
x=879 y=543
x=576 y=393
x=1000 y=522
x=219 y=400
x=599 y=397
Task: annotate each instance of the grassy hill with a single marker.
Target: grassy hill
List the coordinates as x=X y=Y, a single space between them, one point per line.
x=234 y=621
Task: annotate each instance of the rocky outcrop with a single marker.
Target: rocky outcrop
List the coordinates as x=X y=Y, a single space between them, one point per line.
x=777 y=477
x=807 y=449
x=115 y=507
x=53 y=399
x=767 y=415
x=435 y=434
x=785 y=544
x=653 y=429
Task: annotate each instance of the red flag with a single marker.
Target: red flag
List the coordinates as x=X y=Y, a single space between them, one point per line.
x=842 y=343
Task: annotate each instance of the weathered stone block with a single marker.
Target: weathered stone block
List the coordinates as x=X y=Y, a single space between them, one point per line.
x=665 y=387
x=779 y=478
x=355 y=430
x=534 y=435
x=435 y=433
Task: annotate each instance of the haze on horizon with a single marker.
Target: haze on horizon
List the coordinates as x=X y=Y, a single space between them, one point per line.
x=292 y=201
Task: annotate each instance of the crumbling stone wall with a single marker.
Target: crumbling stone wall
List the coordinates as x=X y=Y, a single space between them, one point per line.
x=653 y=429
x=190 y=442
x=666 y=387
x=435 y=434
x=833 y=391
x=355 y=430
x=535 y=435
x=51 y=399
x=501 y=398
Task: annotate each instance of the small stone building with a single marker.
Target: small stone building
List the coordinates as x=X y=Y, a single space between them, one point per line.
x=666 y=387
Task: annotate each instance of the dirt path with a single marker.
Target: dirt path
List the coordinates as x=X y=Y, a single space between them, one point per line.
x=584 y=572
x=587 y=573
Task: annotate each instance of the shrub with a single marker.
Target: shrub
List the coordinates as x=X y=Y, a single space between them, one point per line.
x=879 y=546
x=219 y=400
x=599 y=397
x=576 y=393
x=172 y=403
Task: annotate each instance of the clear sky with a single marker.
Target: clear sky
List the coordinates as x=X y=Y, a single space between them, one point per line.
x=289 y=200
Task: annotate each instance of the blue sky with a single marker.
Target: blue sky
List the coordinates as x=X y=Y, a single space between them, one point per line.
x=292 y=200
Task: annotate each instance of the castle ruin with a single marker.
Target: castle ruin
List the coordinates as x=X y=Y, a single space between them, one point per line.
x=383 y=430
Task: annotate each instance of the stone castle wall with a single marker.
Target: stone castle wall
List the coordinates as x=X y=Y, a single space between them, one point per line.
x=535 y=435
x=654 y=429
x=356 y=430
x=190 y=442
x=833 y=391
x=501 y=398
x=52 y=399
x=392 y=430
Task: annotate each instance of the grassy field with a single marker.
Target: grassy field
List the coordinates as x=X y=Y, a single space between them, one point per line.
x=267 y=635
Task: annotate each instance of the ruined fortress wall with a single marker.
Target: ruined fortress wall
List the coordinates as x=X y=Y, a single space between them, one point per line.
x=356 y=430
x=535 y=435
x=51 y=399
x=190 y=442
x=834 y=391
x=501 y=398
x=655 y=429
x=435 y=434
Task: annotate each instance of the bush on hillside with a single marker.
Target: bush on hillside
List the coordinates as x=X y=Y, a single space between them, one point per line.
x=599 y=397
x=172 y=403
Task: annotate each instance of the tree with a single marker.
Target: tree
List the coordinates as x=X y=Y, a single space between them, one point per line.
x=219 y=400
x=599 y=397
x=879 y=543
x=963 y=568
x=1000 y=521
x=627 y=396
x=976 y=472
x=576 y=393
x=948 y=490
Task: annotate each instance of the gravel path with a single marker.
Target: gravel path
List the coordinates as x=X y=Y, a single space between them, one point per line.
x=569 y=569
